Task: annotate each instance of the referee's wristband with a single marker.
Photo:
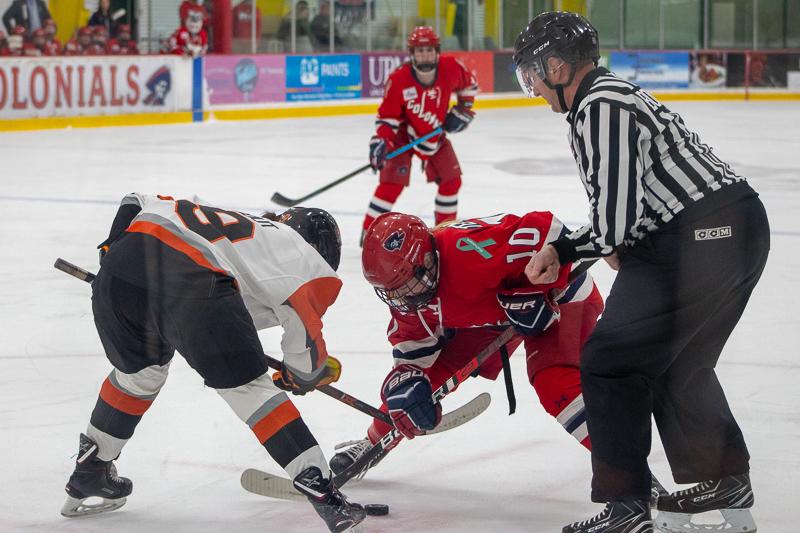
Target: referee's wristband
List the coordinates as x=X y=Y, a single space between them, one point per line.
x=566 y=250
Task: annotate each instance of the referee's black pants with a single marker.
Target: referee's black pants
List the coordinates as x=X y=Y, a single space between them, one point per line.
x=675 y=301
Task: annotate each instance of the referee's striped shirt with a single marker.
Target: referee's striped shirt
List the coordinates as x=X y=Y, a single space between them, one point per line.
x=639 y=163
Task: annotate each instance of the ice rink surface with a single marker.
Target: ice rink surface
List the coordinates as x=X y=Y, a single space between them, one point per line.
x=60 y=191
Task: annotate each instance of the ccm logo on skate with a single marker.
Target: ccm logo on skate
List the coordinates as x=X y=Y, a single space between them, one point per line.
x=712 y=233
x=598 y=527
x=703 y=497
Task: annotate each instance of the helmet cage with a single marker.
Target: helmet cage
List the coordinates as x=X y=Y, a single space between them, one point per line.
x=418 y=290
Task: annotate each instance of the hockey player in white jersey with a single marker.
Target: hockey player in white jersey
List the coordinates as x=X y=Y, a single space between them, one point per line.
x=176 y=275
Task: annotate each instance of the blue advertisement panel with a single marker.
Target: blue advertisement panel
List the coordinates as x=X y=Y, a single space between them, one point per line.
x=652 y=70
x=327 y=77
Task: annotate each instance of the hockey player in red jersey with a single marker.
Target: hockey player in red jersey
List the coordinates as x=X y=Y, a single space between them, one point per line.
x=191 y=38
x=452 y=291
x=53 y=46
x=81 y=45
x=176 y=275
x=123 y=45
x=416 y=101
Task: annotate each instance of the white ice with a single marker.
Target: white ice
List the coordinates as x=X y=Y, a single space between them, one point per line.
x=59 y=192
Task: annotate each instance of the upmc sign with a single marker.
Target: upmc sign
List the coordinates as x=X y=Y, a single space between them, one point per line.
x=67 y=86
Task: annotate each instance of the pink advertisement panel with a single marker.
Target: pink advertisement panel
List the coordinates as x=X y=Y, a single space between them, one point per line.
x=235 y=79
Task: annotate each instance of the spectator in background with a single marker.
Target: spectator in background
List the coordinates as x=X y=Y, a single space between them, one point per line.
x=35 y=47
x=243 y=20
x=99 y=46
x=4 y=50
x=123 y=45
x=321 y=28
x=16 y=41
x=53 y=45
x=80 y=45
x=191 y=38
x=103 y=17
x=30 y=14
x=302 y=28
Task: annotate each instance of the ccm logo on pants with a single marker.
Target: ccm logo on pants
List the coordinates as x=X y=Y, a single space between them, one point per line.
x=712 y=233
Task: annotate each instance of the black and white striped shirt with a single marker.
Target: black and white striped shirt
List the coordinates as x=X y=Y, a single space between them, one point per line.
x=639 y=163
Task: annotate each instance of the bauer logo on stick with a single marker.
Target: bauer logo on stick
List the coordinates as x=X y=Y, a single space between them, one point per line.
x=395 y=241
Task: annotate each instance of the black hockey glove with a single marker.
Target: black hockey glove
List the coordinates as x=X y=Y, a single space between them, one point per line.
x=407 y=393
x=377 y=152
x=531 y=313
x=458 y=118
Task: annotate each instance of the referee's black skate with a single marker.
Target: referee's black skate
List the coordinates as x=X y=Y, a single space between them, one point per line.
x=330 y=504
x=94 y=479
x=626 y=516
x=732 y=496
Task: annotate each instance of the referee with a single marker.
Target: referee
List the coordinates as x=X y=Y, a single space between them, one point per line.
x=689 y=239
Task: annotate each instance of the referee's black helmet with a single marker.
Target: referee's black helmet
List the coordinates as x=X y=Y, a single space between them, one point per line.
x=566 y=35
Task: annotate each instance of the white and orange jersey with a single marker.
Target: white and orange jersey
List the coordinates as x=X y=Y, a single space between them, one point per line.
x=281 y=278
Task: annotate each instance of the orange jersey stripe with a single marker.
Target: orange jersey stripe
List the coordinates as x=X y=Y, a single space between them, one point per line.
x=173 y=241
x=310 y=301
x=123 y=402
x=275 y=421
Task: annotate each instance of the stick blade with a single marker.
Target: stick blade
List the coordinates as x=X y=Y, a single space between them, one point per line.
x=280 y=199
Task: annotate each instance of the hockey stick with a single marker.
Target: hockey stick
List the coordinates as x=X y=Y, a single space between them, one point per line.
x=333 y=392
x=282 y=200
x=382 y=447
x=275 y=486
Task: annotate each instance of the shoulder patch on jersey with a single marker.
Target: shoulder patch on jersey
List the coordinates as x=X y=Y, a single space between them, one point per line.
x=394 y=241
x=409 y=93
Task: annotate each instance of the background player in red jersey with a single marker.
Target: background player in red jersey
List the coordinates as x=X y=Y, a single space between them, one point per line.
x=416 y=101
x=123 y=45
x=191 y=38
x=452 y=291
x=176 y=275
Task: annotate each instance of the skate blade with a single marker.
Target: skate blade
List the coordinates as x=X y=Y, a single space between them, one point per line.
x=76 y=507
x=733 y=520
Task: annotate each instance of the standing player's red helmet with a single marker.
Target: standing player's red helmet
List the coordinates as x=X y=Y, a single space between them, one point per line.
x=423 y=36
x=399 y=260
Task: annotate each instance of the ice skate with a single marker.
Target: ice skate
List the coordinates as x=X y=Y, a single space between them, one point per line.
x=94 y=487
x=695 y=509
x=657 y=491
x=352 y=450
x=330 y=504
x=627 y=516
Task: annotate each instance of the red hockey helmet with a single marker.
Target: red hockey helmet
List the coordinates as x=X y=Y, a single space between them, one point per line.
x=124 y=29
x=423 y=36
x=40 y=35
x=399 y=260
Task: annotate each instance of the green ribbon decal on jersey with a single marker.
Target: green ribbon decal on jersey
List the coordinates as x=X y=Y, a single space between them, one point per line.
x=465 y=244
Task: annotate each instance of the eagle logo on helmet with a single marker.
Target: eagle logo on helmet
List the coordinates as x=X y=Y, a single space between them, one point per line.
x=394 y=241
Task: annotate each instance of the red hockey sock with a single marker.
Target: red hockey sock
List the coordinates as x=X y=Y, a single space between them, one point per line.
x=559 y=390
x=383 y=200
x=447 y=201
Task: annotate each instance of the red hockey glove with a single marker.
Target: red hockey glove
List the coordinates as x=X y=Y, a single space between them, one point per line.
x=378 y=148
x=458 y=118
x=407 y=393
x=287 y=380
x=531 y=313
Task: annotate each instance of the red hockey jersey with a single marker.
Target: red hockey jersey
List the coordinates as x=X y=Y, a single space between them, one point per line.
x=418 y=110
x=123 y=48
x=479 y=258
x=183 y=43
